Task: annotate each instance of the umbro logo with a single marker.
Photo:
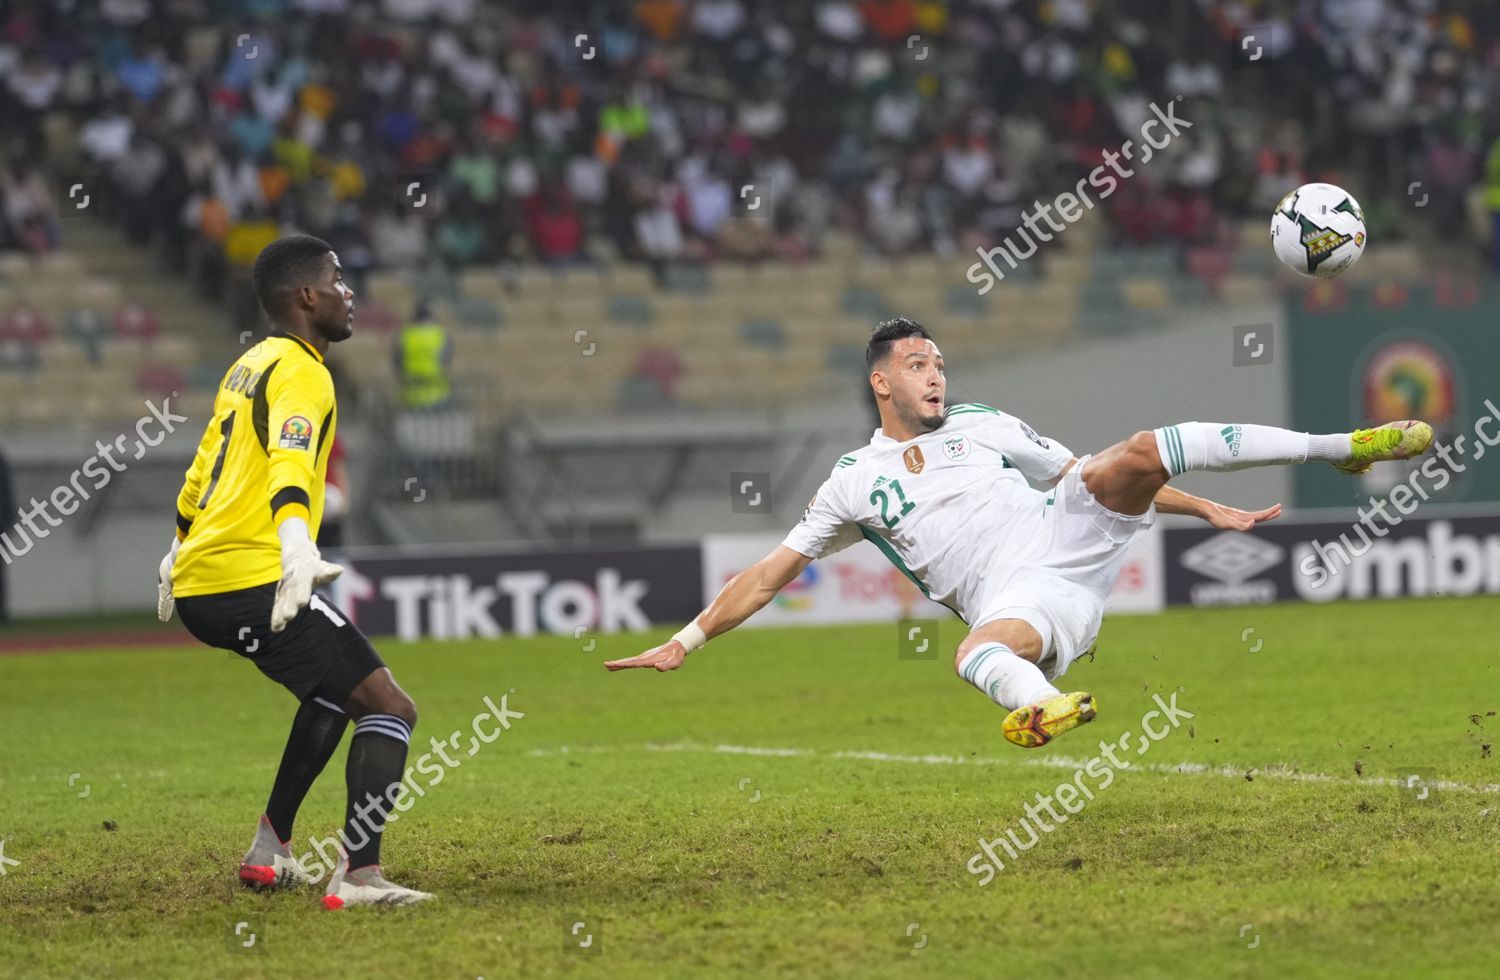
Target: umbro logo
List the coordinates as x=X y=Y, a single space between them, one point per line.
x=1232 y=557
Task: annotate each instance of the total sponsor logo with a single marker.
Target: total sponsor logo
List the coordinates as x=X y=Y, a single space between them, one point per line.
x=842 y=584
x=798 y=594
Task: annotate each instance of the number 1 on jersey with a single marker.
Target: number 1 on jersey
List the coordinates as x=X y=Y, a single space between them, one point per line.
x=879 y=495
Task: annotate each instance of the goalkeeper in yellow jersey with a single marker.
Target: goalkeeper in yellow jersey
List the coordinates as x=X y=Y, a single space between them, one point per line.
x=242 y=571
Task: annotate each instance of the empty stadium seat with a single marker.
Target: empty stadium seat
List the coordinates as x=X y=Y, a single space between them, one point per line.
x=24 y=323
x=87 y=328
x=964 y=301
x=375 y=317
x=161 y=380
x=865 y=302
x=633 y=310
x=477 y=313
x=134 y=322
x=765 y=334
x=19 y=356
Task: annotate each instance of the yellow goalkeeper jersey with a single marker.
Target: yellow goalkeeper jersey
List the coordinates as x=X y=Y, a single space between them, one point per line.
x=263 y=458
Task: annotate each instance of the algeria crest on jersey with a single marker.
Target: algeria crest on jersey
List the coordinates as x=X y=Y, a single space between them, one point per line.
x=956 y=448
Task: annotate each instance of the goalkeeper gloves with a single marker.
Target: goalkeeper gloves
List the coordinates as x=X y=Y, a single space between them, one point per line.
x=165 y=602
x=302 y=570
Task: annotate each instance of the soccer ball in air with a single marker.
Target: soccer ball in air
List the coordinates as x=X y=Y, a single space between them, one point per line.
x=1318 y=230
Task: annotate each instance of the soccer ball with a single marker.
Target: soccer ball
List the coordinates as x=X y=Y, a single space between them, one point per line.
x=1318 y=231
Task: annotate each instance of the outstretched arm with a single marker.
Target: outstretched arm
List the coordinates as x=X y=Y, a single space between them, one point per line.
x=736 y=602
x=1170 y=500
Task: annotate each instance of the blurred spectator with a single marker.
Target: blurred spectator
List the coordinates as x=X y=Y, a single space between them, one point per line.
x=423 y=355
x=321 y=115
x=137 y=176
x=1492 y=195
x=555 y=225
x=28 y=211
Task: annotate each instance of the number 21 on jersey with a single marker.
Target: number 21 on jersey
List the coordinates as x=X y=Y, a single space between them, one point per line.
x=883 y=499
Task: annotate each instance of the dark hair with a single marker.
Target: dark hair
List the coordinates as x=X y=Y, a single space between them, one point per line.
x=284 y=265
x=887 y=333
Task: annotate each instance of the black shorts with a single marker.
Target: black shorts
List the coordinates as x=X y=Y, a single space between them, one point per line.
x=319 y=654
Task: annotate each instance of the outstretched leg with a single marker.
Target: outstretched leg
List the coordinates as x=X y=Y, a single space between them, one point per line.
x=1000 y=658
x=1127 y=476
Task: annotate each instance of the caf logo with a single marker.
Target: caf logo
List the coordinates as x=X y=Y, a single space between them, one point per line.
x=913 y=459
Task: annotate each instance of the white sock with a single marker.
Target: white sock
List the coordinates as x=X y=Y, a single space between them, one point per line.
x=1008 y=680
x=1220 y=446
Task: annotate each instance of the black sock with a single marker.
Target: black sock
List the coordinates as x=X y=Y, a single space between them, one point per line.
x=316 y=732
x=377 y=759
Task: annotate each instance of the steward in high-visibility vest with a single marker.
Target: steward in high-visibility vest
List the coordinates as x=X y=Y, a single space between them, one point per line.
x=1492 y=196
x=422 y=355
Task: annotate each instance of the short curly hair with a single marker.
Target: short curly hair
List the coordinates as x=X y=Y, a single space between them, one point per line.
x=285 y=265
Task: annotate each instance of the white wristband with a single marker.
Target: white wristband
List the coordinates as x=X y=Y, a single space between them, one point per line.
x=691 y=636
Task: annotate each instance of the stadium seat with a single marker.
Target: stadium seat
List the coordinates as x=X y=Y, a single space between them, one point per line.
x=635 y=311
x=964 y=301
x=476 y=313
x=99 y=292
x=638 y=392
x=765 y=334
x=14 y=266
x=389 y=289
x=59 y=264
x=1210 y=265
x=864 y=302
x=688 y=279
x=87 y=328
x=204 y=376
x=436 y=281
x=134 y=322
x=845 y=358
x=628 y=278
x=25 y=323
x=1146 y=293
x=20 y=356
x=375 y=316
x=161 y=380
x=662 y=365
x=66 y=360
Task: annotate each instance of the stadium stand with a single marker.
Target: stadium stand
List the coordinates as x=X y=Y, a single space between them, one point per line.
x=705 y=212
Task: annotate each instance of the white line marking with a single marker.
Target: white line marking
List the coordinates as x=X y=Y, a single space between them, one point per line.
x=1277 y=772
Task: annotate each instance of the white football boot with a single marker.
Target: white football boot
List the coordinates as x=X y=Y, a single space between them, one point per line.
x=366 y=886
x=269 y=863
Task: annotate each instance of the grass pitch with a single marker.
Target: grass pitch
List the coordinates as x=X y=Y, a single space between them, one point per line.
x=793 y=803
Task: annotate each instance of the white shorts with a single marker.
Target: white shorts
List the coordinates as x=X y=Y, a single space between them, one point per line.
x=1074 y=549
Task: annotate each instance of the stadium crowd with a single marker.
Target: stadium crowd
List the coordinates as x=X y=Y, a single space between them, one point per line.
x=409 y=131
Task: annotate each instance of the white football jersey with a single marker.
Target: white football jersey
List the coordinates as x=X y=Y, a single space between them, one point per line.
x=943 y=506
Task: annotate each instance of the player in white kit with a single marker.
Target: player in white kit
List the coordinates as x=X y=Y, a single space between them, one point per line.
x=1008 y=529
